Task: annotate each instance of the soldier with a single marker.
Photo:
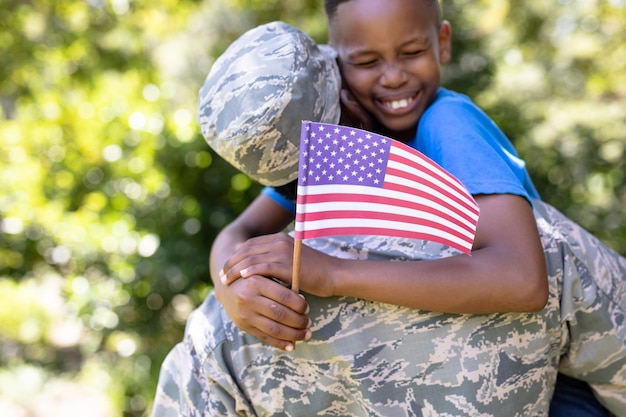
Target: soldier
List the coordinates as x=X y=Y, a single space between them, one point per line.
x=364 y=357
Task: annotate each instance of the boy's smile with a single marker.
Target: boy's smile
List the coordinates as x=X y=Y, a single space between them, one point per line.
x=390 y=53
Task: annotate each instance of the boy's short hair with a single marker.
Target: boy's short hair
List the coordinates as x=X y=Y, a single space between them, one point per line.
x=258 y=92
x=330 y=6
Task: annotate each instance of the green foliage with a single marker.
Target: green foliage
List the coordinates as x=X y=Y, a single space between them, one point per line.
x=110 y=198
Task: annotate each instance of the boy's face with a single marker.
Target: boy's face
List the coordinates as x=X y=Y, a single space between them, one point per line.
x=390 y=52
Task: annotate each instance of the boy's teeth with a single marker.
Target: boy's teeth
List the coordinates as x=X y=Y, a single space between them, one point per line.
x=399 y=104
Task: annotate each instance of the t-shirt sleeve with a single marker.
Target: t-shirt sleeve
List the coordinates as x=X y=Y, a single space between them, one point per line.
x=467 y=143
x=280 y=199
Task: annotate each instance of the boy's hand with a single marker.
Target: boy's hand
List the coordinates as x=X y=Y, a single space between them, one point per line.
x=272 y=256
x=352 y=114
x=266 y=309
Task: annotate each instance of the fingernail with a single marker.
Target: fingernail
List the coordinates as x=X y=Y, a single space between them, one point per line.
x=222 y=276
x=308 y=307
x=308 y=335
x=289 y=348
x=243 y=272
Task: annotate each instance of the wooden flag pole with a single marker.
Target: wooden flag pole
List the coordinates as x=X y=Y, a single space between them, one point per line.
x=295 y=278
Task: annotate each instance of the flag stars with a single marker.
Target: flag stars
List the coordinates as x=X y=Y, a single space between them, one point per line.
x=339 y=154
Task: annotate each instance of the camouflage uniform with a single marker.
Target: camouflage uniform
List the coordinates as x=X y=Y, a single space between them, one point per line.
x=373 y=359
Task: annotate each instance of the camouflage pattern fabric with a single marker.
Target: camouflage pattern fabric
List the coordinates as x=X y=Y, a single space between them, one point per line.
x=373 y=359
x=258 y=92
x=592 y=286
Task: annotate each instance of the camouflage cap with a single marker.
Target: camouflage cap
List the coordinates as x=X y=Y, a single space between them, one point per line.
x=258 y=92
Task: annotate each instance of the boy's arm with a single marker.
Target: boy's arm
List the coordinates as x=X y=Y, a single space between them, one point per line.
x=505 y=272
x=259 y=306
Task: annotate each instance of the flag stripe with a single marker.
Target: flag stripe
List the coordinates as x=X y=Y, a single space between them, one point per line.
x=389 y=201
x=400 y=165
x=331 y=228
x=400 y=185
x=365 y=217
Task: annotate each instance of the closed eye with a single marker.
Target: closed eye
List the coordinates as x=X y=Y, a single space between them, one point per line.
x=413 y=53
x=365 y=63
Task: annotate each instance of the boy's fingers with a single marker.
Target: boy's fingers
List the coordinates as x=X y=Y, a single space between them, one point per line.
x=278 y=335
x=352 y=113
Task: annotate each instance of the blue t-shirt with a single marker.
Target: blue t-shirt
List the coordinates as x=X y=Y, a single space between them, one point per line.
x=462 y=139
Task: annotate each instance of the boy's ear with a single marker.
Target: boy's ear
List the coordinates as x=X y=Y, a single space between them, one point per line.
x=445 y=42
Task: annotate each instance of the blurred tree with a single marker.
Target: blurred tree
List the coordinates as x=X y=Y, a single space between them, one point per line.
x=110 y=198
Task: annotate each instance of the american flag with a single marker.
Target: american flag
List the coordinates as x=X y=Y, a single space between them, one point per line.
x=354 y=182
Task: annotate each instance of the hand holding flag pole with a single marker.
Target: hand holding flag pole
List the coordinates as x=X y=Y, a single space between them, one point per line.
x=354 y=182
